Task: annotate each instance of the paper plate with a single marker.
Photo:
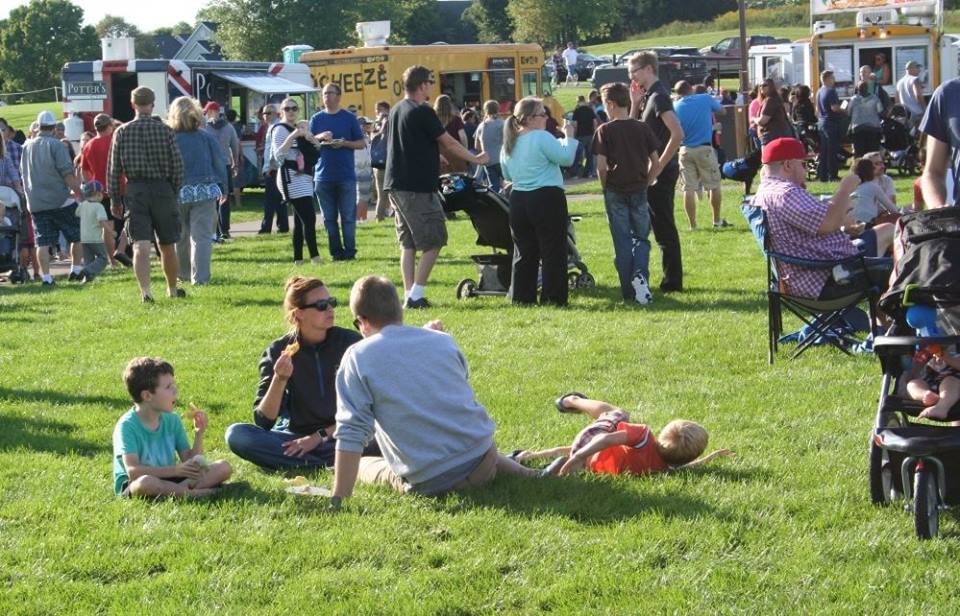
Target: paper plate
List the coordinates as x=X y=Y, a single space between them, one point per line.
x=309 y=491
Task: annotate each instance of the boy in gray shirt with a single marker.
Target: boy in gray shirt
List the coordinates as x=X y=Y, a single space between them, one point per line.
x=434 y=435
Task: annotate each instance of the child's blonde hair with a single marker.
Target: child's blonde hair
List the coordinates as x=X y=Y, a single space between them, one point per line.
x=681 y=441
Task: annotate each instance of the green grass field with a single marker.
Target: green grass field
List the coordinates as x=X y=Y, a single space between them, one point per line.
x=785 y=527
x=20 y=116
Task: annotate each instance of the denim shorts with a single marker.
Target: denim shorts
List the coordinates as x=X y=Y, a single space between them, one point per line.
x=49 y=224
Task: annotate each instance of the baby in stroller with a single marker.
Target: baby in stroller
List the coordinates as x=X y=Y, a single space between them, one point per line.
x=938 y=389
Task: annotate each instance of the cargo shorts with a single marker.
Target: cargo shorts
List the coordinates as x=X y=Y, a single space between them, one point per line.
x=153 y=208
x=421 y=223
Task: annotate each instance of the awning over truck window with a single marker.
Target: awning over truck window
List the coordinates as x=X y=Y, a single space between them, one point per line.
x=264 y=82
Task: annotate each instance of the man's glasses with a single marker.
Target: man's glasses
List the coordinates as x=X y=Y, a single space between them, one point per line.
x=323 y=304
x=293 y=108
x=356 y=324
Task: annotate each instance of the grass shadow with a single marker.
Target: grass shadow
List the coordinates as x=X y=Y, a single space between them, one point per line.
x=56 y=397
x=48 y=436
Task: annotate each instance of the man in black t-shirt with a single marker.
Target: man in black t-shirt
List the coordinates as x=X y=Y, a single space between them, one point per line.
x=412 y=176
x=651 y=103
x=586 y=120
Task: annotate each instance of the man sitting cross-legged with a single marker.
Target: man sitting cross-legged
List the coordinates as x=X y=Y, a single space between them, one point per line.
x=407 y=387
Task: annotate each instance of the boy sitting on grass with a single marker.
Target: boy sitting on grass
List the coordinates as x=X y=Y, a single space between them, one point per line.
x=148 y=437
x=613 y=446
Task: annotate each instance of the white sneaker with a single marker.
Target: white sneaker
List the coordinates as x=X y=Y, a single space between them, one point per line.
x=641 y=291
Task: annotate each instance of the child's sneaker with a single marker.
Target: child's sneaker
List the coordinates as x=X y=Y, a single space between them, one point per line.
x=641 y=290
x=722 y=224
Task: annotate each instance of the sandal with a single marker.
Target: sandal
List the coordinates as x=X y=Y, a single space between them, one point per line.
x=559 y=402
x=516 y=452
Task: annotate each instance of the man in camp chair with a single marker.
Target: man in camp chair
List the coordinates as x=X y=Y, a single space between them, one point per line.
x=804 y=227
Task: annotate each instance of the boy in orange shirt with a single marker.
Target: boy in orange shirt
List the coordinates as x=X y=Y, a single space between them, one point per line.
x=614 y=446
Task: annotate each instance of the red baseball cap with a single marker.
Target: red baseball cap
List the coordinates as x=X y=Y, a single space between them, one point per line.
x=784 y=148
x=211 y=106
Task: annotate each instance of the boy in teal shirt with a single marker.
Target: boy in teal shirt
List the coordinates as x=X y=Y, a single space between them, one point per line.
x=148 y=438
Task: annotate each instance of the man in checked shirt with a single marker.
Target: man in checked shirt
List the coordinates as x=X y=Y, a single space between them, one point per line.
x=145 y=151
x=802 y=226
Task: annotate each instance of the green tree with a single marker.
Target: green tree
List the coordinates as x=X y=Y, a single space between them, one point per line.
x=491 y=20
x=112 y=26
x=38 y=38
x=553 y=22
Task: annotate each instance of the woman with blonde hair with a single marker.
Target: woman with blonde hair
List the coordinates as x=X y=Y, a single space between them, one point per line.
x=296 y=403
x=454 y=126
x=531 y=158
x=204 y=185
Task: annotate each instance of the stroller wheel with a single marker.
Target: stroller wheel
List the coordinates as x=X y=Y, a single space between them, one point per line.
x=573 y=278
x=586 y=281
x=883 y=490
x=466 y=288
x=926 y=504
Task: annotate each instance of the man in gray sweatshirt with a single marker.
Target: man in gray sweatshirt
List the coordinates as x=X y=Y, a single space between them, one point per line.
x=434 y=435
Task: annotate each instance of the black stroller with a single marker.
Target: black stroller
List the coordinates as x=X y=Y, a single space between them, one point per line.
x=10 y=267
x=489 y=212
x=900 y=145
x=916 y=462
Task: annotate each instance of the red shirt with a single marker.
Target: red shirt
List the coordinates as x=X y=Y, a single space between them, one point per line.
x=93 y=158
x=638 y=456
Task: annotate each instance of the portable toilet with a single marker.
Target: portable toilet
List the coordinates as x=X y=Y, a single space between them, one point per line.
x=291 y=53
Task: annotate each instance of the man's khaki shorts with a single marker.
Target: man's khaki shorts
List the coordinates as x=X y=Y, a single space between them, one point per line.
x=699 y=168
x=421 y=223
x=375 y=470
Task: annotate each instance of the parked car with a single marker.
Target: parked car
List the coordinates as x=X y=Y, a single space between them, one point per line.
x=586 y=62
x=675 y=63
x=725 y=55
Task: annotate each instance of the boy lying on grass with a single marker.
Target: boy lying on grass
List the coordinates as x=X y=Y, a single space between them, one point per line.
x=149 y=436
x=612 y=445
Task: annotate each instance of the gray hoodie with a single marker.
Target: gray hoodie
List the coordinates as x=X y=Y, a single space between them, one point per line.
x=408 y=388
x=226 y=136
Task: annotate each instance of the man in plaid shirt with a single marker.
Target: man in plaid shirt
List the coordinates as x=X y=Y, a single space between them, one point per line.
x=146 y=152
x=802 y=226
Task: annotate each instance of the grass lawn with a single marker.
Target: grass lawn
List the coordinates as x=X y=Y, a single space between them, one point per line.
x=695 y=39
x=786 y=523
x=20 y=116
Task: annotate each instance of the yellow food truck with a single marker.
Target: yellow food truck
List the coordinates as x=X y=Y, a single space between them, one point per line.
x=469 y=74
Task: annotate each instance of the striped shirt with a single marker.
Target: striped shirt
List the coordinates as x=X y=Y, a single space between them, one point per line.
x=795 y=216
x=144 y=150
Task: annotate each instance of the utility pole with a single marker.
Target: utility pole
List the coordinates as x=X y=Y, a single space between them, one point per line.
x=744 y=72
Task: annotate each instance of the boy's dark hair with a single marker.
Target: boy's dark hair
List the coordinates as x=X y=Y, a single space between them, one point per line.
x=415 y=76
x=864 y=169
x=616 y=93
x=143 y=374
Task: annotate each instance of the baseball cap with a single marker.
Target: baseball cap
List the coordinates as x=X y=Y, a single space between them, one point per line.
x=913 y=64
x=45 y=118
x=88 y=189
x=102 y=120
x=784 y=148
x=142 y=96
x=211 y=106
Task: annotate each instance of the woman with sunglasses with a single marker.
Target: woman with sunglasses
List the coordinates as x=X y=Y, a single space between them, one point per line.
x=294 y=181
x=531 y=158
x=296 y=403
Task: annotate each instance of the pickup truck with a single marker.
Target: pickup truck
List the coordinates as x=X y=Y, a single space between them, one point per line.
x=725 y=55
x=675 y=63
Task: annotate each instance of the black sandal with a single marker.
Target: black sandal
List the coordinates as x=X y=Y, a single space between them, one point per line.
x=559 y=402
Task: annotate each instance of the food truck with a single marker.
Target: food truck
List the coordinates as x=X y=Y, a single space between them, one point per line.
x=470 y=74
x=104 y=86
x=887 y=35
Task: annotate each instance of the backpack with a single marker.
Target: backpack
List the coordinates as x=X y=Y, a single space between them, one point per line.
x=378 y=151
x=928 y=271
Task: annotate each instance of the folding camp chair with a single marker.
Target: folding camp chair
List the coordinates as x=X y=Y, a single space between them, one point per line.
x=822 y=317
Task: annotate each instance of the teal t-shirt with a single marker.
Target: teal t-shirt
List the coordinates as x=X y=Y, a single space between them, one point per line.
x=536 y=160
x=154 y=447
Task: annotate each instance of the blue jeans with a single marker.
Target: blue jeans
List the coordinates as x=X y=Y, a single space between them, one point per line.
x=265 y=448
x=629 y=219
x=828 y=167
x=339 y=200
x=583 y=162
x=495 y=177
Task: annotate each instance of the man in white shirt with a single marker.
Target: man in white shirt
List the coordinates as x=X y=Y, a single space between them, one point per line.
x=910 y=92
x=570 y=59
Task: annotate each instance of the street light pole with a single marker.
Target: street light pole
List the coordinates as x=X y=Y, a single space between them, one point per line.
x=744 y=72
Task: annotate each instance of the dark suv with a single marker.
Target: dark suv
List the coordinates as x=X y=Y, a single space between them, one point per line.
x=725 y=55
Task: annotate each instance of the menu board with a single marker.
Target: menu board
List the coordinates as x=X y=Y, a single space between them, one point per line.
x=840 y=61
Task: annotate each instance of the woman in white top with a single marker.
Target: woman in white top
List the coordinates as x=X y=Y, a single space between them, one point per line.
x=293 y=180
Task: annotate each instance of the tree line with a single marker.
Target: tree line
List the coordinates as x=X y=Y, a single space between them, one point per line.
x=38 y=38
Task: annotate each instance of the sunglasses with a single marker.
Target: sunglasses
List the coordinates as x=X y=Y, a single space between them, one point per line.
x=294 y=108
x=356 y=324
x=322 y=305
